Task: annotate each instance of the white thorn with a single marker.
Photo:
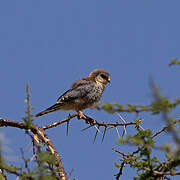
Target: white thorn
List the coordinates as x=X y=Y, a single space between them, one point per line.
x=97 y=128
x=123 y=121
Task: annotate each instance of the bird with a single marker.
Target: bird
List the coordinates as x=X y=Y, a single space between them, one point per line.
x=84 y=93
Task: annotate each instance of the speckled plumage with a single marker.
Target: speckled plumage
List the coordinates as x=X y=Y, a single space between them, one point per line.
x=84 y=93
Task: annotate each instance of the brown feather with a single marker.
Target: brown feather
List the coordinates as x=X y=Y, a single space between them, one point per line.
x=53 y=108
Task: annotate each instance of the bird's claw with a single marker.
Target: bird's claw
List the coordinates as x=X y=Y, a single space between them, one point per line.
x=88 y=120
x=81 y=115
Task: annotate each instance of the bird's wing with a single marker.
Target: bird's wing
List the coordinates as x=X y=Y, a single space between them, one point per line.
x=68 y=97
x=78 y=90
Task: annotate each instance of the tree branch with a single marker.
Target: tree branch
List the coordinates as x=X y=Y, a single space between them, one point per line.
x=41 y=135
x=88 y=120
x=162 y=173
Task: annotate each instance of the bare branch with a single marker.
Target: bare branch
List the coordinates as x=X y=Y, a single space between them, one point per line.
x=120 y=171
x=60 y=122
x=159 y=132
x=88 y=120
x=123 y=154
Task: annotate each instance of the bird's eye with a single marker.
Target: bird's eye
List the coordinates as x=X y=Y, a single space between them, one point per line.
x=103 y=76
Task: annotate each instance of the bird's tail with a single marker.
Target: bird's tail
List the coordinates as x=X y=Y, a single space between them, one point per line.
x=53 y=108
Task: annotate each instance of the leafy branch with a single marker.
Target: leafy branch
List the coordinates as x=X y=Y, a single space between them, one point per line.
x=174 y=61
x=149 y=167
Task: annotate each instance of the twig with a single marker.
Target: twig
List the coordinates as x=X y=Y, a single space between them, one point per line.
x=25 y=161
x=162 y=173
x=115 y=124
x=120 y=171
x=59 y=122
x=158 y=132
x=123 y=154
x=165 y=115
x=11 y=170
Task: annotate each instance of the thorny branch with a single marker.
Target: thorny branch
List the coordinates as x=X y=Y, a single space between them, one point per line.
x=162 y=173
x=39 y=132
x=165 y=115
x=155 y=172
x=25 y=161
x=92 y=122
x=41 y=135
x=120 y=171
x=10 y=170
x=88 y=120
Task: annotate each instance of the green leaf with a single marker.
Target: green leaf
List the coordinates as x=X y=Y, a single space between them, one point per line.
x=46 y=156
x=122 y=140
x=117 y=165
x=174 y=61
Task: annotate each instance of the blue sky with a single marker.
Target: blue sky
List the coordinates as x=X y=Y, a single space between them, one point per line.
x=50 y=44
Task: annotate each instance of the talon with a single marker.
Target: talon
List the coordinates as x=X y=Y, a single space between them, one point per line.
x=90 y=121
x=81 y=115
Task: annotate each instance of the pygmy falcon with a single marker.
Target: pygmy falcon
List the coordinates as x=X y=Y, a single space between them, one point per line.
x=84 y=93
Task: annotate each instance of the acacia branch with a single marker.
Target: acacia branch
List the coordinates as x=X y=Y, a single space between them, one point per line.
x=41 y=135
x=162 y=173
x=88 y=120
x=39 y=131
x=59 y=122
x=10 y=170
x=159 y=132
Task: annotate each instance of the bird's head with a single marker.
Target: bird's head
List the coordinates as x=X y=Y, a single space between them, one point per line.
x=100 y=75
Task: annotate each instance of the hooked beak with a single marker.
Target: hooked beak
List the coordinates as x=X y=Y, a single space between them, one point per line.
x=109 y=80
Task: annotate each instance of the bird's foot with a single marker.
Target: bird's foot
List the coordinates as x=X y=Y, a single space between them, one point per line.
x=88 y=120
x=81 y=115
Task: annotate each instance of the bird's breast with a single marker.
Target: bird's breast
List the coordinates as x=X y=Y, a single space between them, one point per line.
x=96 y=93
